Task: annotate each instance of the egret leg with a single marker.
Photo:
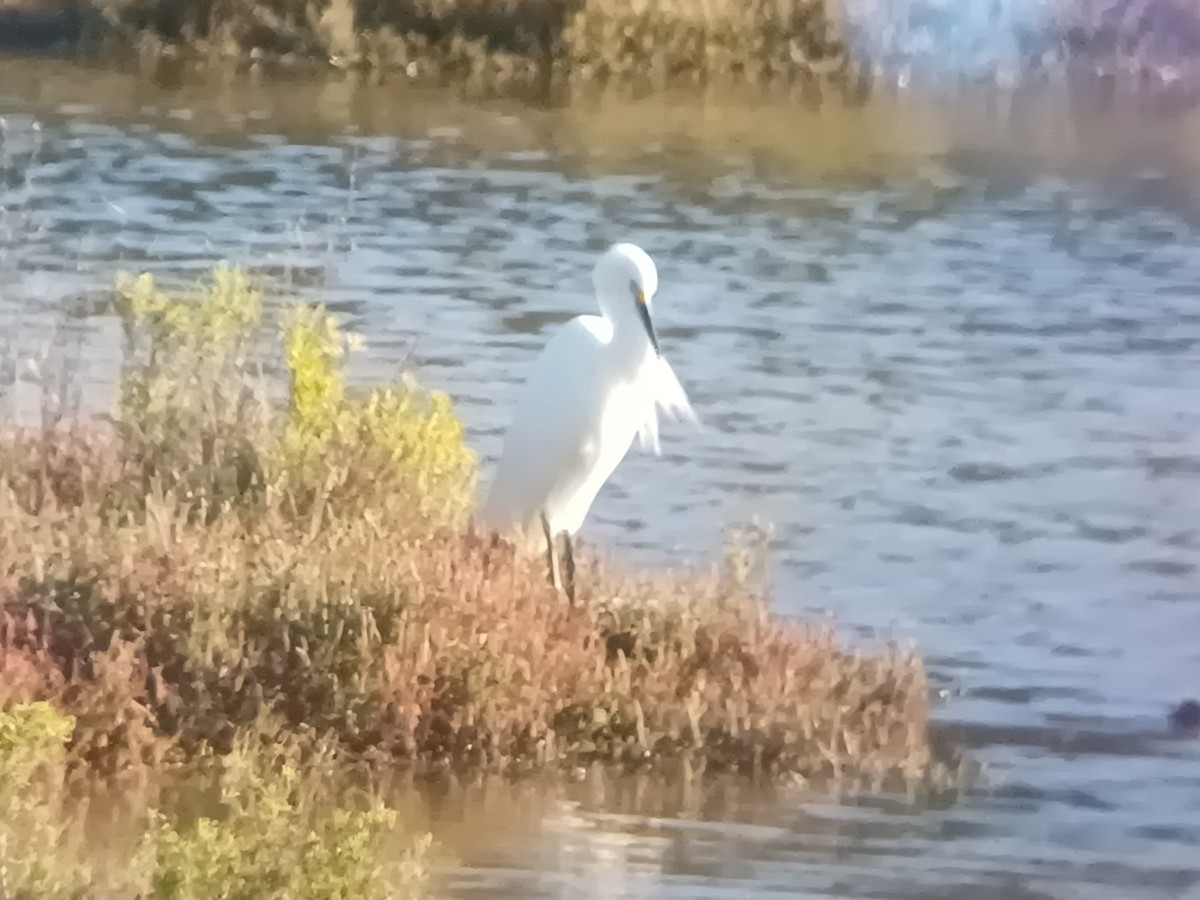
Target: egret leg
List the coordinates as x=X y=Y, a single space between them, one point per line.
x=552 y=556
x=570 y=567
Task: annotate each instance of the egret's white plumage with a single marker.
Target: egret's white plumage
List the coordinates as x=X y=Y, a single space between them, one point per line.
x=598 y=382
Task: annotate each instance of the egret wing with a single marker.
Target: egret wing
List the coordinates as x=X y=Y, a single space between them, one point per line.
x=663 y=391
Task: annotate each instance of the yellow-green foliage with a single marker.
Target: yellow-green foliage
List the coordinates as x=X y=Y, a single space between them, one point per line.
x=194 y=418
x=313 y=348
x=188 y=409
x=32 y=737
x=283 y=831
x=34 y=858
x=421 y=430
x=273 y=842
x=217 y=318
x=397 y=436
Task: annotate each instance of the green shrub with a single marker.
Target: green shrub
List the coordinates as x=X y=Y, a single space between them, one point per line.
x=36 y=833
x=190 y=417
x=275 y=838
x=194 y=420
x=278 y=833
x=398 y=439
x=32 y=739
x=313 y=349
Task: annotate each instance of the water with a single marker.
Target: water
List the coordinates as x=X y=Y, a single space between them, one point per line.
x=958 y=374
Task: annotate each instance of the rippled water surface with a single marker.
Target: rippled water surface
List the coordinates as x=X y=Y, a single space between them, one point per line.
x=962 y=383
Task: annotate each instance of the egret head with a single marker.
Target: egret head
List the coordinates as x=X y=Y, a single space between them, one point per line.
x=625 y=281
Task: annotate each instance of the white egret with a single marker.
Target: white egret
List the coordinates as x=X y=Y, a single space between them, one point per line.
x=599 y=381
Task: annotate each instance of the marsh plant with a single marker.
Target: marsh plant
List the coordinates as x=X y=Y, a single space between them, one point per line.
x=234 y=550
x=37 y=833
x=277 y=834
x=273 y=831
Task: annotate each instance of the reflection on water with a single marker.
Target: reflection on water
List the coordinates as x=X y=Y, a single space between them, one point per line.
x=631 y=840
x=957 y=373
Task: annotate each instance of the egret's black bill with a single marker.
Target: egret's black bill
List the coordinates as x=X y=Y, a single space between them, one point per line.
x=644 y=312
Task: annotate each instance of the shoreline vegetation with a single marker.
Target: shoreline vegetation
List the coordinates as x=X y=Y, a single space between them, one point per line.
x=813 y=49
x=506 y=45
x=259 y=584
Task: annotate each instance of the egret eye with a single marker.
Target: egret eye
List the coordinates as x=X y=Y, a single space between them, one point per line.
x=639 y=296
